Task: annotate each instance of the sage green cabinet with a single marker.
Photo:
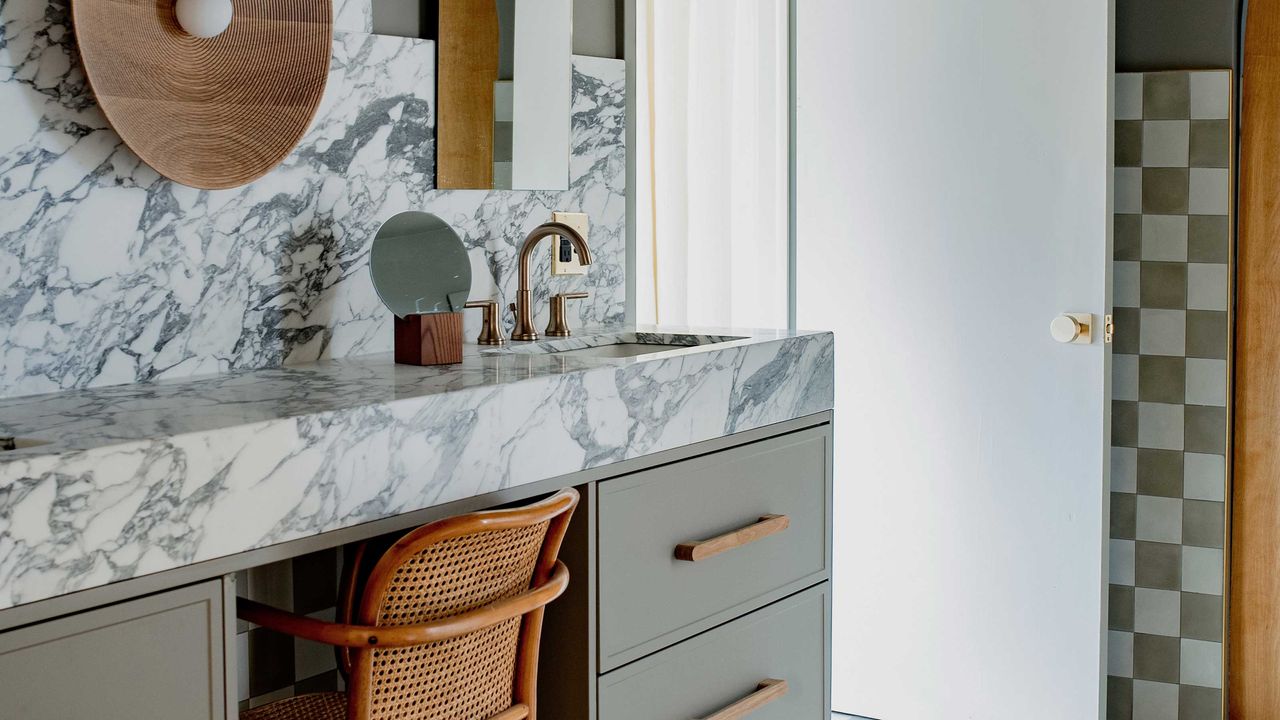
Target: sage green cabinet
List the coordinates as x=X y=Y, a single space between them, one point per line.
x=639 y=635
x=701 y=676
x=161 y=656
x=649 y=599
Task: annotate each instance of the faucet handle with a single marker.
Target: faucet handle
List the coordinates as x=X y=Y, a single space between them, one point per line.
x=491 y=330
x=558 y=326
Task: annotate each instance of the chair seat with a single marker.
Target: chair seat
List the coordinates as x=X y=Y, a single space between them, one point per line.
x=313 y=706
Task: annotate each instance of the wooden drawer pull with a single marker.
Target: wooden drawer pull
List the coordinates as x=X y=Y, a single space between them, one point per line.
x=703 y=549
x=766 y=692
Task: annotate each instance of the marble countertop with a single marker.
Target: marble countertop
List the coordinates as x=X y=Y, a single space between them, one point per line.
x=137 y=479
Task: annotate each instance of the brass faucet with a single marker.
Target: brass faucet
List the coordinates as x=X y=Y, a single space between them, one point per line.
x=558 y=325
x=524 y=298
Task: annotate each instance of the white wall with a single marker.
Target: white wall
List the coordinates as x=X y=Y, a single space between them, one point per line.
x=952 y=198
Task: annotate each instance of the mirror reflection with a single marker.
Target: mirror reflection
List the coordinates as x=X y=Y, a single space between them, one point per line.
x=420 y=266
x=503 y=94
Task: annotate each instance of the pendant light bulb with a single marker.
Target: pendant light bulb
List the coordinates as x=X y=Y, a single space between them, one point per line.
x=204 y=18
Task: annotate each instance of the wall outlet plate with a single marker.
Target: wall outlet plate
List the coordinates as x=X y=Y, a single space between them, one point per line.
x=564 y=256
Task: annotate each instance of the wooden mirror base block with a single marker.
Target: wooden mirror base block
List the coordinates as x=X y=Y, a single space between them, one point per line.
x=434 y=339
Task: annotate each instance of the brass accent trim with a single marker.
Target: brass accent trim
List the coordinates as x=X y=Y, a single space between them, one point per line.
x=1072 y=328
x=491 y=330
x=524 y=298
x=558 y=325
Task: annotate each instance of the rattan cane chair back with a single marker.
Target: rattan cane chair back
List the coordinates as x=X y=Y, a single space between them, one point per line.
x=468 y=677
x=461 y=578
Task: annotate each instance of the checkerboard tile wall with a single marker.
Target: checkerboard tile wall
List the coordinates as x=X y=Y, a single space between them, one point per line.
x=1173 y=189
x=274 y=666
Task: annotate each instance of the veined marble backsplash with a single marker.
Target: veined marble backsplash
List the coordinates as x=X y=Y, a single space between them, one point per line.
x=353 y=16
x=111 y=274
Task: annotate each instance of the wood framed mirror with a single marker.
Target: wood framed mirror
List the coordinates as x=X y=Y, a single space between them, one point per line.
x=503 y=91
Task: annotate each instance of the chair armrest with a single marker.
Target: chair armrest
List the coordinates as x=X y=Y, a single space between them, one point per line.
x=354 y=636
x=348 y=592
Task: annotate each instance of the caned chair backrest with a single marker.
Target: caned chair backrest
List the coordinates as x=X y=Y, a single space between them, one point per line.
x=446 y=569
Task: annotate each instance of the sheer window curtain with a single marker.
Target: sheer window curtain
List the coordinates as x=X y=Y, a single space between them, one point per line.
x=712 y=148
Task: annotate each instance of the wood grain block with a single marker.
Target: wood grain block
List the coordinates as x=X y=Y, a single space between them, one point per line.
x=434 y=339
x=210 y=113
x=467 y=68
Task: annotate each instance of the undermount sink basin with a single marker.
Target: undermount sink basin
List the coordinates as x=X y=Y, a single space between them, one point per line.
x=618 y=345
x=619 y=350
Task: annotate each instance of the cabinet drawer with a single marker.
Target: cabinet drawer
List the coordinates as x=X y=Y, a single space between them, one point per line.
x=157 y=657
x=697 y=678
x=649 y=599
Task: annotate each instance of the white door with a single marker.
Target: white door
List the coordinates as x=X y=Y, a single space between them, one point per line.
x=953 y=197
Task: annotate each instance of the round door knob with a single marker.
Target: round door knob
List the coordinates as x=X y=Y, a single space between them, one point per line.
x=1070 y=328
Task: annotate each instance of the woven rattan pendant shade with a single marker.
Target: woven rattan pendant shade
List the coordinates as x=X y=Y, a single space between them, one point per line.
x=213 y=113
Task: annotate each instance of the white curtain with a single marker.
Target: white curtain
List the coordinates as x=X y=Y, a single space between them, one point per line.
x=712 y=114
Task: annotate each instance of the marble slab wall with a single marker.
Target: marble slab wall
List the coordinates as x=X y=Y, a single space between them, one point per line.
x=111 y=274
x=353 y=16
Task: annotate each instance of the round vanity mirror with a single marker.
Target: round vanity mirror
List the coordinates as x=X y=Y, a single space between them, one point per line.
x=419 y=265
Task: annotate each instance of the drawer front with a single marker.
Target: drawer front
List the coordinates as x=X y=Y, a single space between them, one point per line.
x=650 y=599
x=785 y=641
x=157 y=657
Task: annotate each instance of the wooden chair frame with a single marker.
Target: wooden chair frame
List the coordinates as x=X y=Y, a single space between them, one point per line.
x=550 y=578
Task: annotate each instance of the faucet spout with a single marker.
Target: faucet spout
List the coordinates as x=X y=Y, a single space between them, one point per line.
x=524 y=329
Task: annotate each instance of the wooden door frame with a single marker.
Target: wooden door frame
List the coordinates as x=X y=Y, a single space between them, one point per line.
x=1253 y=592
